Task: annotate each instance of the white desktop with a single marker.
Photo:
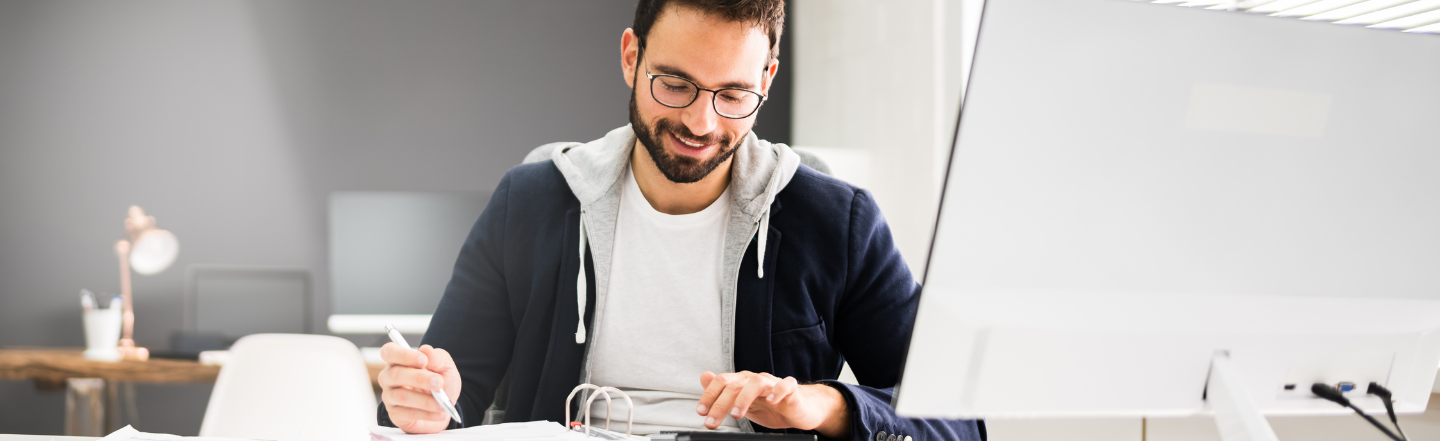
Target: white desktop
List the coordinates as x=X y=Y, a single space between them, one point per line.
x=1147 y=204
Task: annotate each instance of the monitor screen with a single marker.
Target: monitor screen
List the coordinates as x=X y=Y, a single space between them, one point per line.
x=393 y=252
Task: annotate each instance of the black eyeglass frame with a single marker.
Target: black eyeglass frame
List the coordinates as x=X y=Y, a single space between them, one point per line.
x=714 y=93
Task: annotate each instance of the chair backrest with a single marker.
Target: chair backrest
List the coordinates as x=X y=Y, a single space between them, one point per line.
x=291 y=387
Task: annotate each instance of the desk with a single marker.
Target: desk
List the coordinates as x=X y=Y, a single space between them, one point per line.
x=5 y=437
x=85 y=381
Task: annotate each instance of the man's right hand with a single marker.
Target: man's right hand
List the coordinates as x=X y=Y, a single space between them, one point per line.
x=406 y=382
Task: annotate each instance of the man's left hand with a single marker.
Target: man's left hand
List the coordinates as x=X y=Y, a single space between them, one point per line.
x=773 y=402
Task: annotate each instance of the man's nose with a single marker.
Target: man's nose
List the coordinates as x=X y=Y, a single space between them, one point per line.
x=700 y=116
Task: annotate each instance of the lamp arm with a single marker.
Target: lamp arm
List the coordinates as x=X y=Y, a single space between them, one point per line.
x=122 y=249
x=128 y=350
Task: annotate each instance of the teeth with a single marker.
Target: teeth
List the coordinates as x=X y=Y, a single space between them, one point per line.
x=689 y=143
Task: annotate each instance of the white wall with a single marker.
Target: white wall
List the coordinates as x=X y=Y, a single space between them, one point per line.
x=875 y=89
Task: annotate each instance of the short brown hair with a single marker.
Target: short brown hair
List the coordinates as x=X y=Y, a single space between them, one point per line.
x=768 y=15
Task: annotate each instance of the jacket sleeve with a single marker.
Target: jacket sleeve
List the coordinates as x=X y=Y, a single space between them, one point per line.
x=473 y=321
x=874 y=319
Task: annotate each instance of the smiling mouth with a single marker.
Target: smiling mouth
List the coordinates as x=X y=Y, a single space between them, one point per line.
x=685 y=143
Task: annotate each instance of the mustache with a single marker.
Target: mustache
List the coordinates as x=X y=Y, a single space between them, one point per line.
x=679 y=130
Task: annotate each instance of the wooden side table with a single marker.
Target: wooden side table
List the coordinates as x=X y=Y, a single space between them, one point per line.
x=92 y=388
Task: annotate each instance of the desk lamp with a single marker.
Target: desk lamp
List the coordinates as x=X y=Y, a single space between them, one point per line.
x=147 y=250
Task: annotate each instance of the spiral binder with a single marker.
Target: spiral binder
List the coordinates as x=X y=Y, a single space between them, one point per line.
x=605 y=433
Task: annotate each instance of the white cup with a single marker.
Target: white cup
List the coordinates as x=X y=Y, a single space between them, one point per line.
x=102 y=333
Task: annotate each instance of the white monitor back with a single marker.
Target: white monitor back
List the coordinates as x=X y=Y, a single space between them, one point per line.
x=1137 y=186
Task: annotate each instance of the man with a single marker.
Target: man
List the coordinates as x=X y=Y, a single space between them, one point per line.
x=670 y=250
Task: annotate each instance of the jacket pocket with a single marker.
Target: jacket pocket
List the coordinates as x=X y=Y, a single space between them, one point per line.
x=808 y=335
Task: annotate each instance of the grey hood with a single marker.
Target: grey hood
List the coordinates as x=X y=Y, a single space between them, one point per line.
x=759 y=170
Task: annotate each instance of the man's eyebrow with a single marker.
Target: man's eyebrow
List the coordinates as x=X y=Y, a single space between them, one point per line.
x=672 y=70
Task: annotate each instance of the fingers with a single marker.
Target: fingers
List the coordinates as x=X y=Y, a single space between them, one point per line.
x=712 y=391
x=728 y=387
x=419 y=379
x=439 y=359
x=706 y=398
x=409 y=398
x=714 y=385
x=736 y=394
x=414 y=411
x=754 y=387
x=441 y=363
x=395 y=355
x=783 y=391
x=398 y=414
x=406 y=382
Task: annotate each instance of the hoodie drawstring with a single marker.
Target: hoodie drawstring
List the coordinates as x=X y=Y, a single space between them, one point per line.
x=763 y=232
x=580 y=286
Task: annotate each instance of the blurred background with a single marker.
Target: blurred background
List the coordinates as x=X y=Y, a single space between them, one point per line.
x=288 y=145
x=264 y=134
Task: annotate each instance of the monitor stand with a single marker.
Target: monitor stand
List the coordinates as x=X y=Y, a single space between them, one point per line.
x=1235 y=414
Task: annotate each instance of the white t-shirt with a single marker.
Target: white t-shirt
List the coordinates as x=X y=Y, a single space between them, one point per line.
x=662 y=322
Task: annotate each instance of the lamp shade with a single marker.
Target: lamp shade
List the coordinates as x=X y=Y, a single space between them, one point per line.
x=154 y=251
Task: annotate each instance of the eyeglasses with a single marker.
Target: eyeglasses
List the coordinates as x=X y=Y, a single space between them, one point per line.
x=676 y=92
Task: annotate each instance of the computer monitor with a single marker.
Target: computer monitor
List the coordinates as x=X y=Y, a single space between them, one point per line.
x=223 y=303
x=238 y=300
x=392 y=253
x=1139 y=190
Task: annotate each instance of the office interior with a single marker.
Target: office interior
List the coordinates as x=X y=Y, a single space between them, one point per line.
x=266 y=134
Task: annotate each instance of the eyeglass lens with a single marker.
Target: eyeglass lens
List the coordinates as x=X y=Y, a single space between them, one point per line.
x=675 y=92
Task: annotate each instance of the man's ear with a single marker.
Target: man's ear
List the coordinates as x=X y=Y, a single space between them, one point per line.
x=629 y=56
x=769 y=79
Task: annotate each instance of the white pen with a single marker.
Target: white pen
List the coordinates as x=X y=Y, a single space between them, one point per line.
x=440 y=396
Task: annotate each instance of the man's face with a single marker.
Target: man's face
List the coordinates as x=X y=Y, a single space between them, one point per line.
x=688 y=143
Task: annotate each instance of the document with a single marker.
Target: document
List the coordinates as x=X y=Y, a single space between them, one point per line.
x=527 y=431
x=128 y=433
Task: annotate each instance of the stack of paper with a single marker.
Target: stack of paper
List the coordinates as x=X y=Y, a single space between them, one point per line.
x=529 y=431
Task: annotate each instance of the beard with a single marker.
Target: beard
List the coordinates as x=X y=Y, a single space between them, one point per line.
x=680 y=169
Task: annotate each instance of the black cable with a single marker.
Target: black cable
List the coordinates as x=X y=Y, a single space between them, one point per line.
x=1327 y=392
x=1380 y=391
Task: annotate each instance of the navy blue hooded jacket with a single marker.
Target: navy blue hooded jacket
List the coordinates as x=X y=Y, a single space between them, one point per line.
x=835 y=289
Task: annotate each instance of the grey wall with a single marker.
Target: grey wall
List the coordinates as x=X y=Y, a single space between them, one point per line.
x=231 y=121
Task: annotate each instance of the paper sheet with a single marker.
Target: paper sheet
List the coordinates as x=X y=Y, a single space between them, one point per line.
x=128 y=433
x=528 y=431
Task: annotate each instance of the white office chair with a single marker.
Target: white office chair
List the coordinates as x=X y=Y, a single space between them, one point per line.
x=291 y=387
